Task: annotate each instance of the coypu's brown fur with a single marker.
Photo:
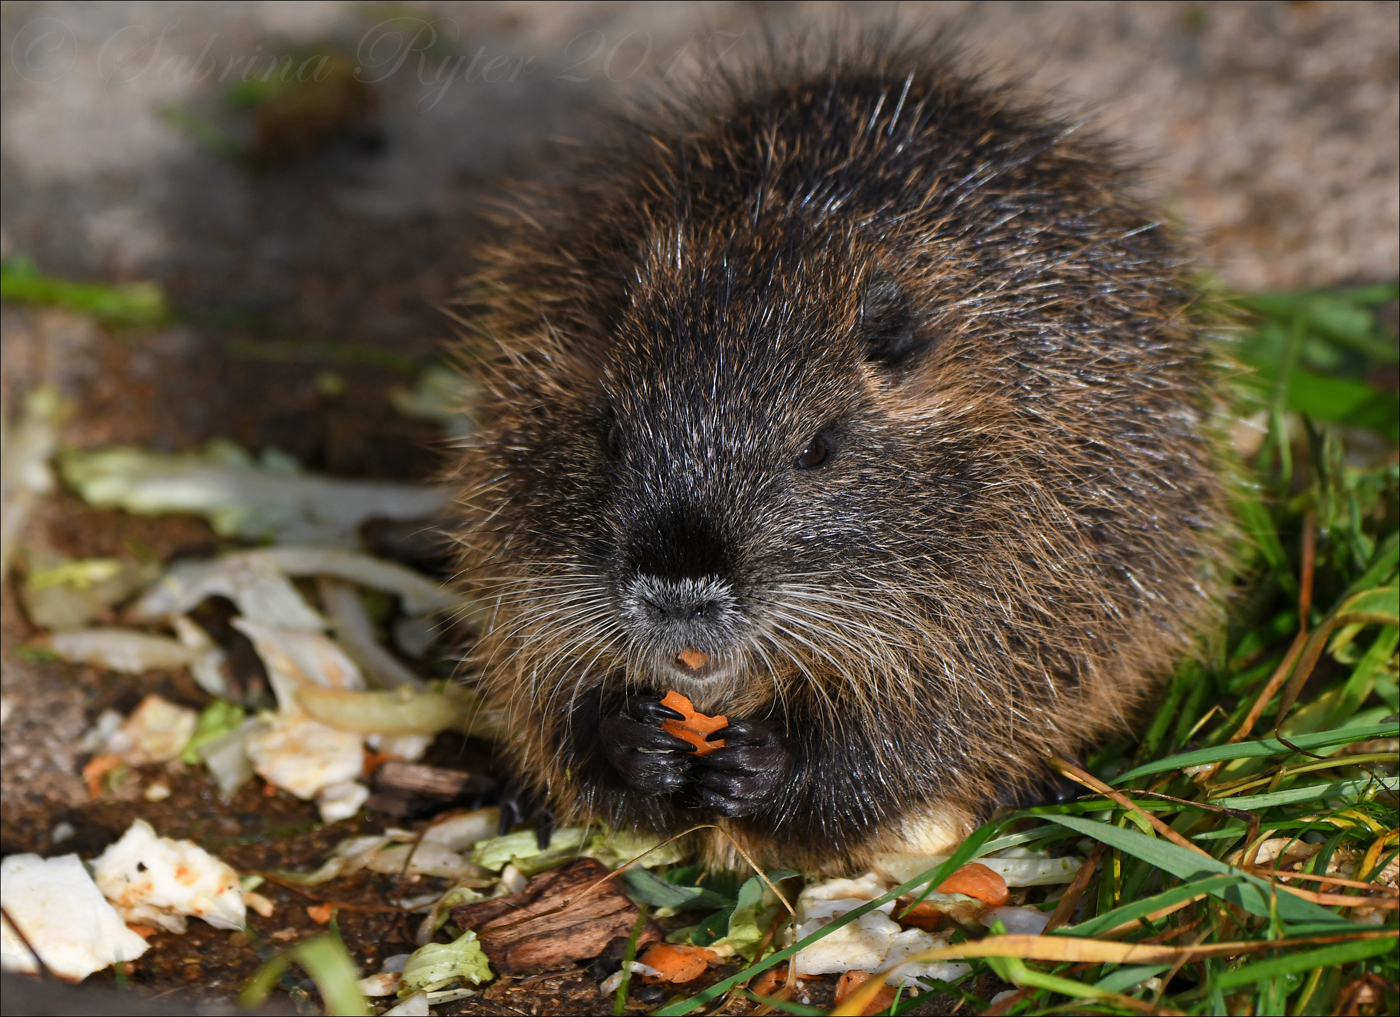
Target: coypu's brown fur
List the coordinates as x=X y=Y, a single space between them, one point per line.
x=888 y=373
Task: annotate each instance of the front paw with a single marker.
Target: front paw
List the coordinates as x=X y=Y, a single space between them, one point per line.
x=743 y=778
x=644 y=755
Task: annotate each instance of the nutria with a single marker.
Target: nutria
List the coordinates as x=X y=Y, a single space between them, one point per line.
x=857 y=401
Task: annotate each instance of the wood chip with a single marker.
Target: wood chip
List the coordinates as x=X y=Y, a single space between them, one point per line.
x=403 y=789
x=527 y=931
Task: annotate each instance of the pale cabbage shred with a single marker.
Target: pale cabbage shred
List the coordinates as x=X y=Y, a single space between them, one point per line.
x=78 y=922
x=875 y=942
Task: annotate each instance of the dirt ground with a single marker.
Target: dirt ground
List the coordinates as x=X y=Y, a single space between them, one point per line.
x=307 y=281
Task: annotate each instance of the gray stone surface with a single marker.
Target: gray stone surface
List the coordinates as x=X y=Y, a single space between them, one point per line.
x=1270 y=131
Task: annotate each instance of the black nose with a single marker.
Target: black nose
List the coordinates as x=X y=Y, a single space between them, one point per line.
x=675 y=545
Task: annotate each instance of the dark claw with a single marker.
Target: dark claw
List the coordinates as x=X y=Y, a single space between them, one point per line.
x=651 y=711
x=520 y=806
x=544 y=827
x=744 y=732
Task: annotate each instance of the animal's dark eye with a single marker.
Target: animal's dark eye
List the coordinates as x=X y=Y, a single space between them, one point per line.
x=813 y=455
x=614 y=441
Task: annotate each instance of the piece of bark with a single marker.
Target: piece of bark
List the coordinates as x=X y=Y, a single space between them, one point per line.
x=403 y=789
x=528 y=932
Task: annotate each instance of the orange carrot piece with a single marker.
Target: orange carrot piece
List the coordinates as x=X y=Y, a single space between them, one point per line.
x=374 y=760
x=976 y=880
x=853 y=980
x=922 y=915
x=98 y=767
x=694 y=726
x=676 y=962
x=319 y=913
x=767 y=983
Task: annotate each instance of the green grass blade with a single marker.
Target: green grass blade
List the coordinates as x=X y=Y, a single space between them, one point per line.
x=1345 y=402
x=1363 y=676
x=1265 y=747
x=1213 y=885
x=629 y=954
x=645 y=887
x=141 y=303
x=1383 y=563
x=1250 y=893
x=1124 y=979
x=325 y=959
x=1263 y=533
x=1311 y=793
x=330 y=967
x=1295 y=963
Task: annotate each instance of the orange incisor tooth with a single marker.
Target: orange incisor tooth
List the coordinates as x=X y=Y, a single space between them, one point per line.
x=693 y=659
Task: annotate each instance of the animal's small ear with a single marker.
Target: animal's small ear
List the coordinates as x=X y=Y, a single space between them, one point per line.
x=887 y=322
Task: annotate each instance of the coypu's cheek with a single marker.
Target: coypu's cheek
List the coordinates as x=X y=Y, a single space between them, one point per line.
x=558 y=490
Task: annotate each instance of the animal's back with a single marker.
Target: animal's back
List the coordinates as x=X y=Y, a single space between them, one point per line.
x=857 y=402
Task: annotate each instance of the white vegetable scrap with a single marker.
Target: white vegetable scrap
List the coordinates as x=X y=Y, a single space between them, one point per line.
x=415 y=1005
x=355 y=631
x=1018 y=866
x=418 y=593
x=258 y=582
x=296 y=657
x=1026 y=921
x=436 y=853
x=61 y=593
x=393 y=712
x=25 y=476
x=291 y=750
x=240 y=498
x=95 y=738
x=251 y=579
x=386 y=983
x=301 y=755
x=459 y=831
x=156 y=732
x=610 y=984
x=313 y=747
x=126 y=650
x=441 y=395
x=349 y=856
x=227 y=758
x=914 y=941
x=341 y=800
x=409 y=748
x=63 y=915
x=206 y=658
x=424 y=858
x=413 y=634
x=873 y=942
x=158 y=881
